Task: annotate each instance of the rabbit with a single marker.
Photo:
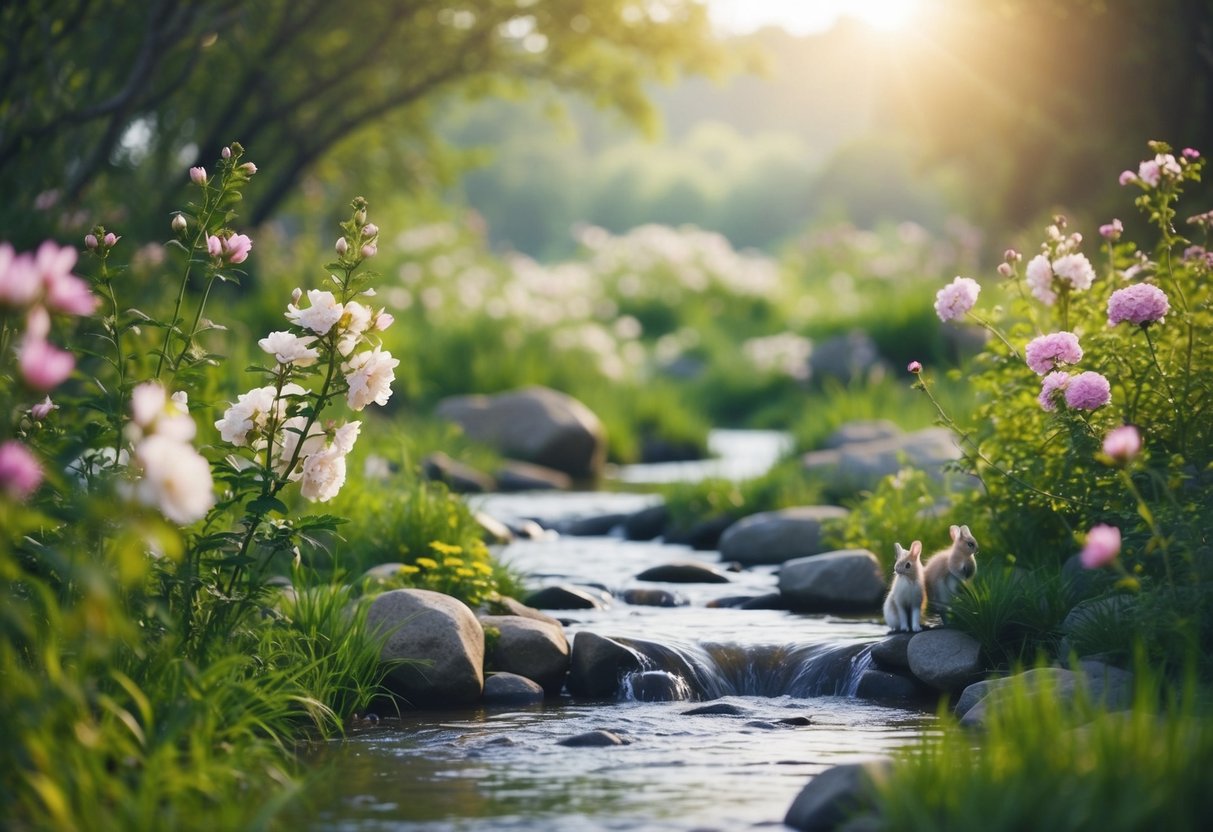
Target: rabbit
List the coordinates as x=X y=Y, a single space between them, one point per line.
x=947 y=569
x=903 y=605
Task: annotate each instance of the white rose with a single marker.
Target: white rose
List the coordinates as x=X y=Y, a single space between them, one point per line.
x=176 y=479
x=369 y=375
x=323 y=475
x=320 y=316
x=288 y=348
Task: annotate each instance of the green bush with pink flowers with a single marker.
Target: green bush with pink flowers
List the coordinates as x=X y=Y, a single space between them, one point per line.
x=1092 y=430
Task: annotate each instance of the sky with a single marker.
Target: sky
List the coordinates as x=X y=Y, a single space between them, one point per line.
x=807 y=16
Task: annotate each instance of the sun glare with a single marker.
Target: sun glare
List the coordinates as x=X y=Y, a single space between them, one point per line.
x=806 y=16
x=886 y=15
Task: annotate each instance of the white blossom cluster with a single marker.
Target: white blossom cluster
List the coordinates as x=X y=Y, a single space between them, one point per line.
x=173 y=477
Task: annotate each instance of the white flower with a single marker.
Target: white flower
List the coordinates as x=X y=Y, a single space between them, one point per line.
x=320 y=316
x=288 y=348
x=1040 y=279
x=252 y=411
x=355 y=321
x=153 y=412
x=345 y=436
x=369 y=375
x=323 y=475
x=176 y=479
x=1075 y=268
x=292 y=437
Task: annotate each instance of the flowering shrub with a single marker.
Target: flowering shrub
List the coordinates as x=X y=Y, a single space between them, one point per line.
x=1110 y=450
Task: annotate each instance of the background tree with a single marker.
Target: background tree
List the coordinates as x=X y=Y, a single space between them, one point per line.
x=118 y=97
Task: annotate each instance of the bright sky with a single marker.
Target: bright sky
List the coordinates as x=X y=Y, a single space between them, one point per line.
x=804 y=16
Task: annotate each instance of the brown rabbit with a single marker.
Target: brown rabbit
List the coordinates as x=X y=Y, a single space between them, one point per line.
x=948 y=569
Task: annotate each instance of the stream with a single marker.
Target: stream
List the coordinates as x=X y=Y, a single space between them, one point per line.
x=783 y=678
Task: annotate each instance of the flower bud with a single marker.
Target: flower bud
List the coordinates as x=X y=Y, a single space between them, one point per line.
x=214 y=246
x=226 y=153
x=110 y=239
x=370 y=250
x=296 y=296
x=90 y=241
x=915 y=367
x=370 y=230
x=383 y=320
x=360 y=216
x=179 y=223
x=249 y=168
x=1112 y=231
x=1191 y=154
x=342 y=246
x=1012 y=256
x=198 y=175
x=1127 y=177
x=1005 y=270
x=42 y=409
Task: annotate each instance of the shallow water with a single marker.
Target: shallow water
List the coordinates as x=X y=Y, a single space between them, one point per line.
x=480 y=769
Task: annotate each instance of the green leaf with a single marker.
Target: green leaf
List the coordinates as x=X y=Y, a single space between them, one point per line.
x=264 y=505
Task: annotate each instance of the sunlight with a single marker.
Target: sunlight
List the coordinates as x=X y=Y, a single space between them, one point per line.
x=805 y=16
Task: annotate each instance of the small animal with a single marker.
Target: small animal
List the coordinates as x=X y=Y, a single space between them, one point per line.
x=903 y=605
x=946 y=570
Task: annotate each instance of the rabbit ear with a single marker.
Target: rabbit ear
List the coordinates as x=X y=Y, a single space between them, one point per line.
x=915 y=549
x=966 y=531
x=955 y=532
x=897 y=548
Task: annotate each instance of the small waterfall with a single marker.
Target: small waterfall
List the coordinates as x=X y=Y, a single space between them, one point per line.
x=692 y=672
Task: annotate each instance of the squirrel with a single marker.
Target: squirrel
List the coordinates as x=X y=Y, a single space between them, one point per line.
x=947 y=569
x=903 y=605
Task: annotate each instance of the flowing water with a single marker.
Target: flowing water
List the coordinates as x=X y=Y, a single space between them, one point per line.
x=780 y=686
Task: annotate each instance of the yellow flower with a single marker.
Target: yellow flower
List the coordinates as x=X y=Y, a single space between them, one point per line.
x=464 y=572
x=427 y=563
x=445 y=548
x=452 y=562
x=409 y=569
x=483 y=568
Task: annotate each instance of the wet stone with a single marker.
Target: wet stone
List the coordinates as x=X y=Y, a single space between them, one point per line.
x=593 y=739
x=563 y=597
x=891 y=653
x=716 y=709
x=683 y=573
x=653 y=598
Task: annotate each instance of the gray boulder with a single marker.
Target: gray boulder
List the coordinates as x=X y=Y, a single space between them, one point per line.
x=649 y=597
x=509 y=690
x=1103 y=684
x=684 y=572
x=892 y=688
x=562 y=597
x=647 y=524
x=835 y=795
x=863 y=465
x=531 y=648
x=435 y=628
x=525 y=476
x=891 y=652
x=862 y=430
x=777 y=536
x=593 y=739
x=505 y=605
x=947 y=660
x=534 y=424
x=458 y=476
x=598 y=664
x=849 y=580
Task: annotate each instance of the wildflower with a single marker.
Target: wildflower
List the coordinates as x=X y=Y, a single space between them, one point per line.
x=65 y=292
x=342 y=246
x=323 y=475
x=154 y=412
x=369 y=375
x=1039 y=274
x=1112 y=230
x=370 y=250
x=288 y=348
x=1127 y=177
x=20 y=473
x=1191 y=154
x=1045 y=352
x=175 y=479
x=43 y=365
x=1088 y=391
x=355 y=320
x=296 y=447
x=1141 y=304
x=249 y=168
x=198 y=175
x=19 y=280
x=427 y=563
x=1101 y=547
x=1050 y=385
x=383 y=319
x=179 y=223
x=90 y=241
x=236 y=248
x=370 y=230
x=42 y=409
x=1076 y=269
x=1006 y=270
x=252 y=411
x=319 y=317
x=1011 y=256
x=1123 y=443
x=226 y=153
x=214 y=246
x=914 y=367
x=110 y=239
x=957 y=298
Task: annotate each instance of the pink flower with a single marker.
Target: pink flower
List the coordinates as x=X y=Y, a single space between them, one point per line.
x=1127 y=177
x=370 y=230
x=1112 y=231
x=957 y=298
x=19 y=279
x=65 y=292
x=90 y=241
x=198 y=175
x=1047 y=351
x=1088 y=391
x=20 y=473
x=370 y=250
x=1191 y=154
x=249 y=168
x=237 y=247
x=1122 y=443
x=44 y=366
x=1141 y=304
x=1006 y=270
x=1039 y=273
x=914 y=367
x=214 y=246
x=1049 y=387
x=1149 y=172
x=1102 y=546
x=111 y=239
x=383 y=319
x=42 y=409
x=1011 y=256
